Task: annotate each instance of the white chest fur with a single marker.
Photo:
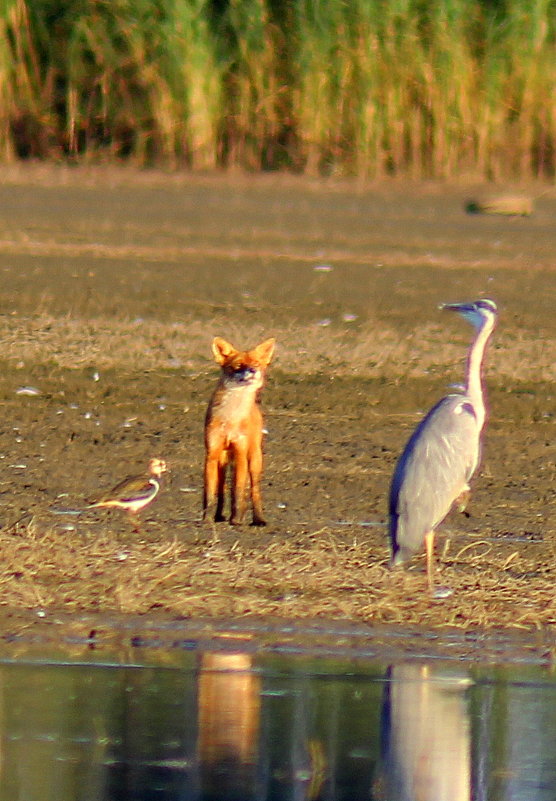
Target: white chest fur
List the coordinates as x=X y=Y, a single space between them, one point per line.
x=233 y=409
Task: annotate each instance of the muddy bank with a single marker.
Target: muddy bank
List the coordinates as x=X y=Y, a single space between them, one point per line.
x=113 y=286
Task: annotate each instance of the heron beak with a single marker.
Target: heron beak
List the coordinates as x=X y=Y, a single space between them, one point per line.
x=462 y=308
x=469 y=311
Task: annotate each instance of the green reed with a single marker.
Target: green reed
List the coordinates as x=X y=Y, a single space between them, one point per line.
x=143 y=84
x=363 y=87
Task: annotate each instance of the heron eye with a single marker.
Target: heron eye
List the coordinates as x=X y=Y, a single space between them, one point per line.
x=487 y=304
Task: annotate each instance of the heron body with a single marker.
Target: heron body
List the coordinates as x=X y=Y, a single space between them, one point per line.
x=443 y=452
x=436 y=465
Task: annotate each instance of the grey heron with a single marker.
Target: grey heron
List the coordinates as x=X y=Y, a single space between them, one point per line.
x=443 y=452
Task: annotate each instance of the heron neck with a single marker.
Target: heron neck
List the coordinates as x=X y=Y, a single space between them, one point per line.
x=474 y=373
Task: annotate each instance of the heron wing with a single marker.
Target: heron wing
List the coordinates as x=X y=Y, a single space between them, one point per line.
x=434 y=468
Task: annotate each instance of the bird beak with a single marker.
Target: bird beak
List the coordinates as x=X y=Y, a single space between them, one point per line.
x=462 y=308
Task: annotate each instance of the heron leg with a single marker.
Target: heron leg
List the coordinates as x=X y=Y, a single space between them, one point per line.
x=463 y=499
x=429 y=548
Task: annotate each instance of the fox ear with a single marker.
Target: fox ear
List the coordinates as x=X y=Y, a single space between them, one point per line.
x=221 y=349
x=264 y=351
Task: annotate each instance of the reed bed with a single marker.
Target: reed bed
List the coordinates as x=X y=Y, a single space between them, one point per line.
x=394 y=87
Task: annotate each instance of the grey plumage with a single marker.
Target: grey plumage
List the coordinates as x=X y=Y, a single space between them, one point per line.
x=442 y=453
x=438 y=461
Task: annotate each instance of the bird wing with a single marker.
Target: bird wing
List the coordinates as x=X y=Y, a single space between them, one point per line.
x=133 y=488
x=436 y=464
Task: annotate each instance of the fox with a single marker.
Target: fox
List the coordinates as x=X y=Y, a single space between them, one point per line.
x=234 y=430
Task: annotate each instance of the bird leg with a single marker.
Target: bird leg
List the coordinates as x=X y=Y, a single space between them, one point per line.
x=134 y=520
x=462 y=500
x=429 y=548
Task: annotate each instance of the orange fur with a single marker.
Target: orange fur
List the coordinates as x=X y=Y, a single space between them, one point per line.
x=234 y=430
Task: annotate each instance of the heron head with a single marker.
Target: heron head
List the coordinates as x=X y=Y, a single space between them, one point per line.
x=477 y=313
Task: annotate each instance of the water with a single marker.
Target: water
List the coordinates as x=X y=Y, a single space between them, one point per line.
x=228 y=723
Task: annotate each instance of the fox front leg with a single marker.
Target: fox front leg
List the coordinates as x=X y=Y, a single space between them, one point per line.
x=215 y=474
x=239 y=485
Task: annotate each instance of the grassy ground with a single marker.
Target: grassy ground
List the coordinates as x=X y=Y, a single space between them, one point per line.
x=113 y=286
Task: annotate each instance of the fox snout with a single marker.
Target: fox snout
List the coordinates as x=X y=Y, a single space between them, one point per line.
x=244 y=375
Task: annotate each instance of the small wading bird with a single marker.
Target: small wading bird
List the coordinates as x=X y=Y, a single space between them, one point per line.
x=443 y=452
x=133 y=493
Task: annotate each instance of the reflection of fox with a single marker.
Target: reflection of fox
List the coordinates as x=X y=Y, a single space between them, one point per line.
x=229 y=720
x=234 y=429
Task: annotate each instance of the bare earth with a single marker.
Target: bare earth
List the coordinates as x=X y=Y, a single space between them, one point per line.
x=113 y=285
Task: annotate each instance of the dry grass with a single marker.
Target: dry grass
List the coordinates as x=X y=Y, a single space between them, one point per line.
x=371 y=351
x=194 y=573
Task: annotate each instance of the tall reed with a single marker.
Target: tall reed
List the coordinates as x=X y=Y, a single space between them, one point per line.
x=321 y=86
x=144 y=84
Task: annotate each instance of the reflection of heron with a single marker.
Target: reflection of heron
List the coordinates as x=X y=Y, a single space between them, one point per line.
x=425 y=735
x=442 y=453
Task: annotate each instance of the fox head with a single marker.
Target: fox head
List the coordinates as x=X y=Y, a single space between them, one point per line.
x=243 y=368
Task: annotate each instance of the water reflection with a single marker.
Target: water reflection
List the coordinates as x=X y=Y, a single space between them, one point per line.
x=229 y=704
x=514 y=741
x=426 y=735
x=230 y=724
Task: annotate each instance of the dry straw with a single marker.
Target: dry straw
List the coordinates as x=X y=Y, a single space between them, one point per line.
x=320 y=574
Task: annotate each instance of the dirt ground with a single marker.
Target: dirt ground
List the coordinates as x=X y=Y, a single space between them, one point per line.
x=113 y=285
